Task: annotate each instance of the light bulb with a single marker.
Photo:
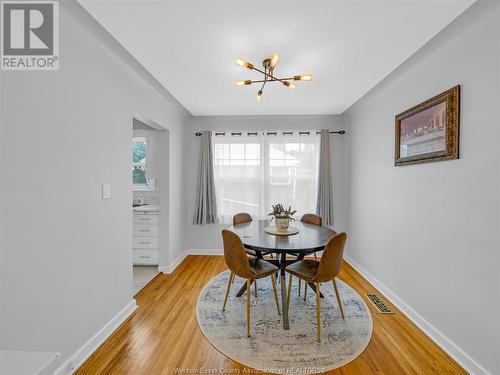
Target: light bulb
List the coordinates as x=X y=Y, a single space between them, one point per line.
x=242 y=82
x=259 y=95
x=292 y=86
x=241 y=62
x=304 y=77
x=274 y=60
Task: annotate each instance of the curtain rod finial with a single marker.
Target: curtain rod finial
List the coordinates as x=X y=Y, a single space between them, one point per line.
x=197 y=134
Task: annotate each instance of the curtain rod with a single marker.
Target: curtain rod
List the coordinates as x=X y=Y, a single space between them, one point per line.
x=341 y=132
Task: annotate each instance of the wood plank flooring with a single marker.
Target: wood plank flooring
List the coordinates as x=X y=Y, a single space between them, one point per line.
x=163 y=334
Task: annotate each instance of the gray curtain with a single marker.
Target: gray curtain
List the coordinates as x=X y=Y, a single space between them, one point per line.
x=206 y=206
x=324 y=205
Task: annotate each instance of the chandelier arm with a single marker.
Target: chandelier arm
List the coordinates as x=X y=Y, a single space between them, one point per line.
x=272 y=80
x=265 y=80
x=262 y=88
x=270 y=75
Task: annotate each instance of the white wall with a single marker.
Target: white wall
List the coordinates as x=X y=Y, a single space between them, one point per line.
x=67 y=254
x=209 y=236
x=2 y=209
x=430 y=232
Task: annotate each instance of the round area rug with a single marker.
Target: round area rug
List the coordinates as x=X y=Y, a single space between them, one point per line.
x=272 y=349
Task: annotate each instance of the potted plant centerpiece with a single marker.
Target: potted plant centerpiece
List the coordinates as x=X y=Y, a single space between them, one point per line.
x=282 y=217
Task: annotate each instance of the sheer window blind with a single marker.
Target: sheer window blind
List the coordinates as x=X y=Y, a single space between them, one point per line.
x=254 y=172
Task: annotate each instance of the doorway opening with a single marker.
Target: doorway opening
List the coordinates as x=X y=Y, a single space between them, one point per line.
x=149 y=213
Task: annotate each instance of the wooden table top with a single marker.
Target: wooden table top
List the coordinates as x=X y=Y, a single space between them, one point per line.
x=309 y=239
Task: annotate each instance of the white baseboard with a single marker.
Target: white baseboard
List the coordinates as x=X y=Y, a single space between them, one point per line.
x=171 y=268
x=469 y=364
x=76 y=360
x=205 y=251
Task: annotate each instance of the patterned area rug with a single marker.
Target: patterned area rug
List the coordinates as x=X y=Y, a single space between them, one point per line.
x=272 y=349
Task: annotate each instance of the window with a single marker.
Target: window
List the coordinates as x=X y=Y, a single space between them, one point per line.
x=254 y=172
x=139 y=151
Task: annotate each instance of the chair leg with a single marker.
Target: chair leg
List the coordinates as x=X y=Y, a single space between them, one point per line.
x=305 y=290
x=315 y=256
x=231 y=279
x=255 y=287
x=248 y=307
x=273 y=278
x=289 y=290
x=300 y=285
x=318 y=312
x=338 y=298
x=233 y=276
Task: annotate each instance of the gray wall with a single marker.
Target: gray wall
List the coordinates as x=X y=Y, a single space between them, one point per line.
x=208 y=236
x=430 y=232
x=66 y=254
x=2 y=208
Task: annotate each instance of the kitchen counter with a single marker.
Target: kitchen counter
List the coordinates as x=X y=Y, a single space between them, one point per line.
x=146 y=208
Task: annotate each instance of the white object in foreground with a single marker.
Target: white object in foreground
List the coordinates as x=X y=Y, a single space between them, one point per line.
x=273 y=230
x=25 y=363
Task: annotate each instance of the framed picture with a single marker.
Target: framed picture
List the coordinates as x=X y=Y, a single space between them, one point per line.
x=430 y=130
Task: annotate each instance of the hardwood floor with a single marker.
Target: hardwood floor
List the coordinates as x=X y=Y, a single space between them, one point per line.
x=163 y=334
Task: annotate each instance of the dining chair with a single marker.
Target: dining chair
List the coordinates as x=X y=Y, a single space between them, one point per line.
x=312 y=219
x=238 y=263
x=312 y=271
x=242 y=218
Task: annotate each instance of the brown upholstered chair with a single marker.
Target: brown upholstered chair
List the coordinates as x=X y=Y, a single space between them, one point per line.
x=238 y=263
x=242 y=218
x=314 y=220
x=312 y=271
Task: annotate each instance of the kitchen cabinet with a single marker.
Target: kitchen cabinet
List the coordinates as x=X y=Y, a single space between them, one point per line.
x=146 y=237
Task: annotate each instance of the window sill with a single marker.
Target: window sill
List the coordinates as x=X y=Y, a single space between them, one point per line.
x=136 y=188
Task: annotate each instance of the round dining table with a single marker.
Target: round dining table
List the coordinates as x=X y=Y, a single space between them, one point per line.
x=309 y=239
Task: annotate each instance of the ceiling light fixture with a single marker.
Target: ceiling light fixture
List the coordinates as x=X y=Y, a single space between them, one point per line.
x=242 y=82
x=268 y=72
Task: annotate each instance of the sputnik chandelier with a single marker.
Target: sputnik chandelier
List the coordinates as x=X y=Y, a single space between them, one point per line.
x=268 y=72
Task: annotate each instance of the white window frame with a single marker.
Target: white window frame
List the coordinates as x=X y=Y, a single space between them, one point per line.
x=228 y=139
x=264 y=140
x=295 y=138
x=151 y=182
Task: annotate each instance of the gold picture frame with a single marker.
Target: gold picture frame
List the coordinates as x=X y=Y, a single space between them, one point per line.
x=429 y=131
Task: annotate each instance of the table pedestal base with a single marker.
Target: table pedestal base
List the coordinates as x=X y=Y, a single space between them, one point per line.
x=281 y=263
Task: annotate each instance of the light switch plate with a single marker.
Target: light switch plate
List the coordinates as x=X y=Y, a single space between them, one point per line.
x=106 y=191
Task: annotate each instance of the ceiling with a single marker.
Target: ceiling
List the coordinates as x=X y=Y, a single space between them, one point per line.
x=349 y=46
